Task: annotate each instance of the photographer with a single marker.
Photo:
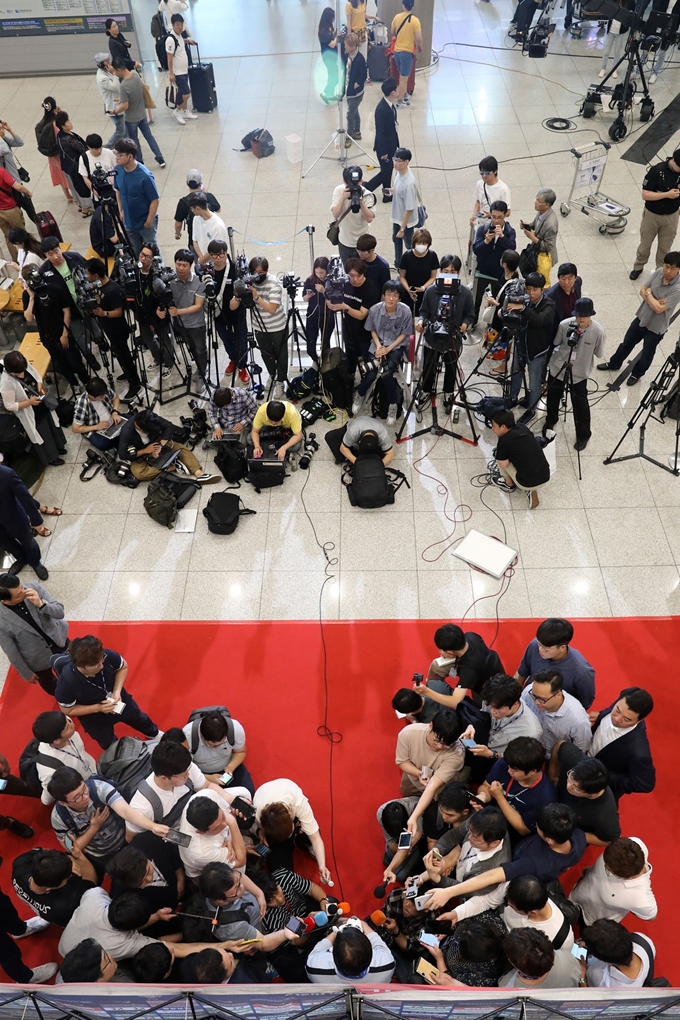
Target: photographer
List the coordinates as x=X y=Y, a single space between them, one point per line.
x=42 y=306
x=459 y=318
x=96 y=410
x=141 y=440
x=349 y=208
x=319 y=319
x=270 y=315
x=154 y=328
x=186 y=311
x=58 y=273
x=389 y=323
x=207 y=226
x=362 y=436
x=96 y=156
x=231 y=411
x=358 y=298
x=533 y=343
x=183 y=214
x=544 y=228
x=230 y=315
x=283 y=426
x=661 y=195
x=110 y=313
x=578 y=342
x=494 y=237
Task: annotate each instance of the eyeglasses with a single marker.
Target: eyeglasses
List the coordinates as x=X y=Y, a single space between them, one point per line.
x=235 y=893
x=437 y=741
x=543 y=701
x=486 y=173
x=78 y=796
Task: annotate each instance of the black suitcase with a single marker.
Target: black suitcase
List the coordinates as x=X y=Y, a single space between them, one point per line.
x=377 y=63
x=202 y=82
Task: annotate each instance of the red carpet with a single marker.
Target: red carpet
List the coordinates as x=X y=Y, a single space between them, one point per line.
x=270 y=675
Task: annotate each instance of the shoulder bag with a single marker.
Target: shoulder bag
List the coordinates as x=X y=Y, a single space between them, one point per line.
x=333 y=232
x=422 y=211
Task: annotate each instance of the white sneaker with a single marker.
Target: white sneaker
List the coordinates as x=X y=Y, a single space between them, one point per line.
x=357 y=404
x=33 y=925
x=43 y=974
x=178 y=117
x=391 y=414
x=166 y=373
x=278 y=391
x=601 y=73
x=191 y=115
x=652 y=78
x=615 y=75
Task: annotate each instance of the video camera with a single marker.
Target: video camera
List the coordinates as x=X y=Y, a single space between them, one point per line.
x=125 y=270
x=87 y=293
x=206 y=274
x=336 y=281
x=163 y=276
x=291 y=282
x=36 y=283
x=515 y=294
x=440 y=331
x=353 y=177
x=99 y=178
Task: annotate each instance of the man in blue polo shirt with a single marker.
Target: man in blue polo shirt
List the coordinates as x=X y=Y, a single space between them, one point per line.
x=519 y=784
x=90 y=686
x=137 y=195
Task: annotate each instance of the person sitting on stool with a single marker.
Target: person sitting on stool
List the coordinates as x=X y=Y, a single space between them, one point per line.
x=389 y=323
x=584 y=339
x=281 y=422
x=362 y=435
x=519 y=457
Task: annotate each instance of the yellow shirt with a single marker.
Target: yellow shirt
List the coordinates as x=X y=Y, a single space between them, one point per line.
x=291 y=419
x=356 y=17
x=406 y=40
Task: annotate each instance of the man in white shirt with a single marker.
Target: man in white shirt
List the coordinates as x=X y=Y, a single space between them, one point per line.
x=510 y=718
x=489 y=189
x=218 y=744
x=561 y=715
x=617 y=958
x=207 y=226
x=215 y=835
x=178 y=68
x=528 y=906
x=96 y=156
x=60 y=744
x=353 y=224
x=620 y=881
x=279 y=805
x=109 y=88
x=354 y=955
x=404 y=203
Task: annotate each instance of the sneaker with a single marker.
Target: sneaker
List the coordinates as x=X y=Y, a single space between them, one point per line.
x=614 y=77
x=634 y=274
x=33 y=925
x=423 y=401
x=652 y=78
x=43 y=974
x=278 y=391
x=13 y=824
x=357 y=136
x=348 y=143
x=207 y=479
x=161 y=162
x=630 y=381
x=602 y=72
x=229 y=370
x=402 y=103
x=501 y=483
x=606 y=366
x=178 y=117
x=191 y=115
x=357 y=404
x=166 y=373
x=527 y=417
x=391 y=414
x=243 y=376
x=448 y=402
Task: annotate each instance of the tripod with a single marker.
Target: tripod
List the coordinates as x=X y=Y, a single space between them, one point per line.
x=295 y=327
x=622 y=95
x=503 y=341
x=656 y=394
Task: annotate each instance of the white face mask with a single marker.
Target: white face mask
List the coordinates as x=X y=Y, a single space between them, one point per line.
x=421 y=248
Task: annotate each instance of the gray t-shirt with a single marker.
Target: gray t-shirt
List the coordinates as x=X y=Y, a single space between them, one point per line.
x=131 y=93
x=356 y=428
x=240 y=920
x=215 y=759
x=185 y=296
x=389 y=327
x=670 y=293
x=404 y=196
x=565 y=973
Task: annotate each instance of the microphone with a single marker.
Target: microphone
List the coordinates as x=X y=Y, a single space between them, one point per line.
x=309 y=924
x=320 y=918
x=338 y=909
x=379 y=892
x=378 y=917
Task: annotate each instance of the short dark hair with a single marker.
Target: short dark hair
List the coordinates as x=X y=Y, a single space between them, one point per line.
x=446 y=726
x=394 y=818
x=51 y=868
x=222 y=396
x=609 y=941
x=489 y=163
x=258 y=262
x=389 y=86
x=671 y=259
x=449 y=637
x=504 y=418
x=510 y=259
x=276 y=410
x=638 y=700
x=352 y=952
x=527 y=892
x=176 y=17
x=144 y=419
x=118 y=64
x=129 y=867
x=94 y=141
x=624 y=857
x=407 y=701
x=590 y=775
x=551 y=676
x=49 y=244
x=208 y=967
x=169 y=759
x=96 y=267
x=197 y=199
x=501 y=691
x=61 y=118
x=48 y=726
x=202 y=812
x=213 y=726
x=499 y=206
x=455 y=796
x=392 y=285
x=403 y=153
x=14 y=361
x=83 y=962
x=554 y=631
x=489 y=824
x=450 y=260
x=184 y=255
x=86 y=650
x=277 y=822
x=358 y=265
x=529 y=951
x=367 y=242
x=535 y=280
x=218 y=247
x=480 y=941
x=567 y=269
x=264 y=881
x=556 y=821
x=95 y=387
x=8 y=582
x=125 y=146
x=216 y=880
x=175 y=734
x=129 y=910
x=64 y=781
x=524 y=753
x=152 y=963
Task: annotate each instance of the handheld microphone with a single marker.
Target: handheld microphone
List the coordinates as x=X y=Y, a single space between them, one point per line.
x=379 y=892
x=378 y=917
x=320 y=918
x=338 y=909
x=310 y=924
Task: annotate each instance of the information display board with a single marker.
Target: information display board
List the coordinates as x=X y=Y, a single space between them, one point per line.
x=59 y=17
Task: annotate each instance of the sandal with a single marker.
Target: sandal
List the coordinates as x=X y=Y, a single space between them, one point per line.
x=42 y=531
x=85 y=213
x=50 y=511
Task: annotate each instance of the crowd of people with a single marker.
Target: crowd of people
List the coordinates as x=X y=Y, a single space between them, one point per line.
x=176 y=863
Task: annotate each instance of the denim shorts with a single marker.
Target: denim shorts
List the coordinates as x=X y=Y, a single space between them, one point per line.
x=182 y=83
x=404 y=62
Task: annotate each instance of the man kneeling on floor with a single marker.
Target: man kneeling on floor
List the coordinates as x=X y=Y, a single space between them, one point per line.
x=362 y=435
x=142 y=439
x=278 y=426
x=519 y=456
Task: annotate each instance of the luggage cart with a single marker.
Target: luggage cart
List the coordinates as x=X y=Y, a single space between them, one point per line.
x=590 y=164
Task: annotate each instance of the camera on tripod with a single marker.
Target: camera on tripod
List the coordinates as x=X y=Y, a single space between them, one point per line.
x=574 y=334
x=163 y=276
x=125 y=270
x=87 y=293
x=35 y=282
x=242 y=290
x=206 y=273
x=310 y=448
x=515 y=294
x=291 y=282
x=336 y=281
x=439 y=333
x=99 y=178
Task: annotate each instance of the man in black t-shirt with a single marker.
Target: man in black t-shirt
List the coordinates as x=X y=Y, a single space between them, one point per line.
x=661 y=195
x=183 y=214
x=153 y=867
x=418 y=268
x=53 y=882
x=465 y=655
x=583 y=784
x=519 y=456
x=358 y=297
x=230 y=314
x=377 y=268
x=110 y=312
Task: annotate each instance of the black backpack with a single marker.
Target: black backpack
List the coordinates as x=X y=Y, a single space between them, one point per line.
x=303 y=385
x=13 y=438
x=528 y=259
x=368 y=483
x=262 y=139
x=223 y=512
x=125 y=763
x=195 y=720
x=28 y=765
x=45 y=137
x=232 y=461
x=120 y=473
x=312 y=410
x=266 y=472
x=166 y=497
x=336 y=381
x=381 y=399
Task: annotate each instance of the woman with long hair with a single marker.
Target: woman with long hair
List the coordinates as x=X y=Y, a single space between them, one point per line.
x=46 y=136
x=22 y=392
x=71 y=148
x=29 y=252
x=328 y=40
x=319 y=318
x=118 y=44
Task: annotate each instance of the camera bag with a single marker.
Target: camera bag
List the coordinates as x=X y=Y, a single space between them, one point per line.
x=223 y=512
x=312 y=410
x=488 y=406
x=259 y=141
x=165 y=497
x=368 y=482
x=231 y=460
x=336 y=382
x=302 y=385
x=265 y=473
x=528 y=259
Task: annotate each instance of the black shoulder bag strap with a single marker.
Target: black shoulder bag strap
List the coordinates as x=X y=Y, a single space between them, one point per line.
x=561 y=936
x=400 y=475
x=401 y=26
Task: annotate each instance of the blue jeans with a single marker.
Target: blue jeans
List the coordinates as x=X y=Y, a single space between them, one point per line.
x=100 y=442
x=145 y=235
x=133 y=133
x=536 y=374
x=235 y=343
x=399 y=241
x=634 y=334
x=118 y=121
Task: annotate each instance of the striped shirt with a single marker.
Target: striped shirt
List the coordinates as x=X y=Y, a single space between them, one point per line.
x=569 y=722
x=295 y=888
x=270 y=290
x=241 y=410
x=111 y=836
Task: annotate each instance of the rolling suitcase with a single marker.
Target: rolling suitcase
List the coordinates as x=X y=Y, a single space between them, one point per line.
x=377 y=62
x=202 y=81
x=47 y=225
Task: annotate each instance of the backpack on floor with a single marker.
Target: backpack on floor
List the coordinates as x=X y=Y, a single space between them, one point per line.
x=368 y=482
x=223 y=512
x=259 y=141
x=165 y=498
x=303 y=385
x=195 y=720
x=380 y=404
x=125 y=763
x=30 y=758
x=266 y=472
x=232 y=461
x=119 y=472
x=312 y=410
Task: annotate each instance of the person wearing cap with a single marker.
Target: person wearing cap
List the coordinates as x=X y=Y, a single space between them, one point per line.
x=109 y=89
x=565 y=293
x=183 y=214
x=661 y=195
x=404 y=193
x=579 y=340
x=533 y=344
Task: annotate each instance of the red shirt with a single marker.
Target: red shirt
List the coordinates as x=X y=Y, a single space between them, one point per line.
x=7 y=199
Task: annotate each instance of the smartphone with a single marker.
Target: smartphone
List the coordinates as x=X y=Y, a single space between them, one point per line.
x=262 y=849
x=244 y=806
x=437 y=855
x=429 y=940
x=426 y=969
x=225 y=778
x=119 y=708
x=410 y=892
x=405 y=840
x=400 y=715
x=295 y=925
x=580 y=952
x=3 y=784
x=248 y=942
x=468 y=743
x=421 y=902
x=426 y=772
x=66 y=839
x=181 y=838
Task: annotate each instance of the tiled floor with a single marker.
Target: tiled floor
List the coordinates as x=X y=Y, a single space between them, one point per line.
x=608 y=544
